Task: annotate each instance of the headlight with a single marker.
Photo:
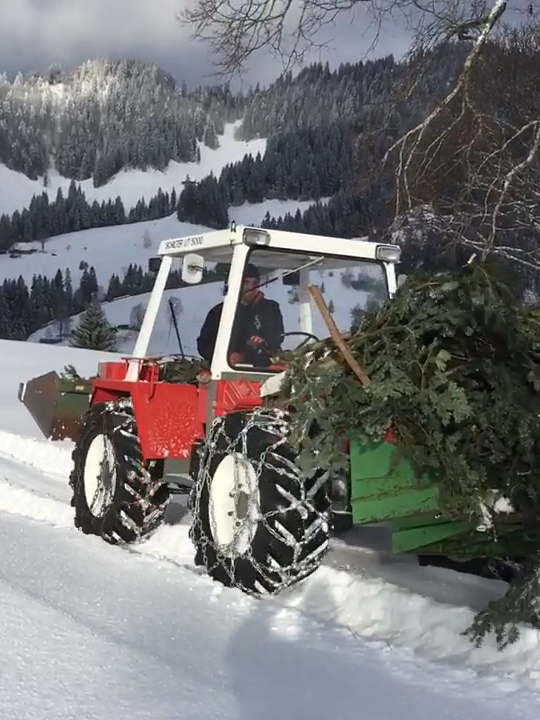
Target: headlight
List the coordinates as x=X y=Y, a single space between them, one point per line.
x=388 y=253
x=252 y=236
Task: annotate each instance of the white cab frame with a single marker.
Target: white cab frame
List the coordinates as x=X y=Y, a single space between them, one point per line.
x=236 y=239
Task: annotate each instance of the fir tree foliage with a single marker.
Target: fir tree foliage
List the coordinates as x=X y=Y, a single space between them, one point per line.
x=312 y=123
x=453 y=361
x=94 y=332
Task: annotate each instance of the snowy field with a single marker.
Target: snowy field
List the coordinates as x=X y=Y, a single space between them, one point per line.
x=112 y=249
x=88 y=631
x=131 y=185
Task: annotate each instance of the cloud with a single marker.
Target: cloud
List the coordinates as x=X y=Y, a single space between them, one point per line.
x=37 y=33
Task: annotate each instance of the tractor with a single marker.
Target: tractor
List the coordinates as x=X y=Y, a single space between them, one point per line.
x=148 y=426
x=212 y=432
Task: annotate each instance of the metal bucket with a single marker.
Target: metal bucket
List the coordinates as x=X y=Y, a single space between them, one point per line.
x=56 y=404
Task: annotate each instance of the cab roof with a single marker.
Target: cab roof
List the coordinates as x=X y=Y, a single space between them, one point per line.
x=218 y=245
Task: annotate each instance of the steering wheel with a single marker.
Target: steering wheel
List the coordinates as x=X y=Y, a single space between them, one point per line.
x=263 y=349
x=306 y=334
x=264 y=355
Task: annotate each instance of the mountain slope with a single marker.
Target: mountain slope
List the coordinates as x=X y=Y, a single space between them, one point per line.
x=49 y=128
x=193 y=303
x=111 y=249
x=105 y=116
x=130 y=184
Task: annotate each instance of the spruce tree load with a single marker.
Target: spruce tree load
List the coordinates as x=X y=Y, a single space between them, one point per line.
x=453 y=367
x=94 y=331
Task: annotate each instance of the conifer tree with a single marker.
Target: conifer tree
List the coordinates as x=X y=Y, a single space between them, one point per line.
x=94 y=331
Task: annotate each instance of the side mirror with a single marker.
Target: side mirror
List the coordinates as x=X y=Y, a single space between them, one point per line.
x=192 y=268
x=291 y=279
x=154 y=264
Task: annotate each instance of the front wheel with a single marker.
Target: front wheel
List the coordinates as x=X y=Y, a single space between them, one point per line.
x=116 y=495
x=258 y=523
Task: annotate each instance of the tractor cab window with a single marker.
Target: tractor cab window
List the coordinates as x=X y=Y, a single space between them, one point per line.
x=188 y=316
x=276 y=313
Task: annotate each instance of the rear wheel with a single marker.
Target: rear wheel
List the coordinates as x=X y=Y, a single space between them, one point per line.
x=116 y=495
x=258 y=523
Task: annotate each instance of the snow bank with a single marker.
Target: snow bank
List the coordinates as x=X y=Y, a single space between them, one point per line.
x=376 y=610
x=23 y=502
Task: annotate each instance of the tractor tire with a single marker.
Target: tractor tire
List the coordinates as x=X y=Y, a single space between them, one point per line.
x=281 y=533
x=131 y=498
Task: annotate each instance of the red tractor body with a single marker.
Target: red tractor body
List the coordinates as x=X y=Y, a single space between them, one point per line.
x=171 y=417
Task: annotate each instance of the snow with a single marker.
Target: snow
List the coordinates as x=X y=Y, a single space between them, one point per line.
x=131 y=185
x=93 y=631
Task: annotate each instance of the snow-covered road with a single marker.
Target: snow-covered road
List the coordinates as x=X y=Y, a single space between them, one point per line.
x=94 y=632
x=90 y=631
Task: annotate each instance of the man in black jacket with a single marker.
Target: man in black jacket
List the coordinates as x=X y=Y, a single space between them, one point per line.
x=257 y=330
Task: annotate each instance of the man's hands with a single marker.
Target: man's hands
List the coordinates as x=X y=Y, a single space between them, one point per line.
x=236 y=358
x=255 y=342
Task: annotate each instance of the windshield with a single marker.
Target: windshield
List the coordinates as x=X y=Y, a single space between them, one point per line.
x=269 y=314
x=272 y=312
x=187 y=305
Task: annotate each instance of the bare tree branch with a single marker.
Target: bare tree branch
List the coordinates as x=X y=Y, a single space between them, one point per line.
x=235 y=30
x=471 y=167
x=417 y=133
x=467 y=177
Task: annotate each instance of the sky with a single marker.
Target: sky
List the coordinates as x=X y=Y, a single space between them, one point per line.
x=35 y=34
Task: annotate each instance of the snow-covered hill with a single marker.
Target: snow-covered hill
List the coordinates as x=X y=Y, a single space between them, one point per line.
x=16 y=189
x=98 y=628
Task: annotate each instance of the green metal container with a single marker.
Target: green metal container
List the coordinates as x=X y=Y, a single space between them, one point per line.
x=385 y=489
x=56 y=404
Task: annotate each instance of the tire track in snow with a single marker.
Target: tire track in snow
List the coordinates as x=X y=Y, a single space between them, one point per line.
x=34 y=483
x=50 y=458
x=23 y=492
x=34 y=479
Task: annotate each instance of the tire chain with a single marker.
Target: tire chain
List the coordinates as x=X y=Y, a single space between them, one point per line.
x=121 y=408
x=273 y=421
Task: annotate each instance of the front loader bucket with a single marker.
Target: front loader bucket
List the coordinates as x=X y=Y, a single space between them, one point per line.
x=56 y=404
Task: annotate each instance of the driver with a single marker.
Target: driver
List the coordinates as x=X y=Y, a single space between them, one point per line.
x=258 y=326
